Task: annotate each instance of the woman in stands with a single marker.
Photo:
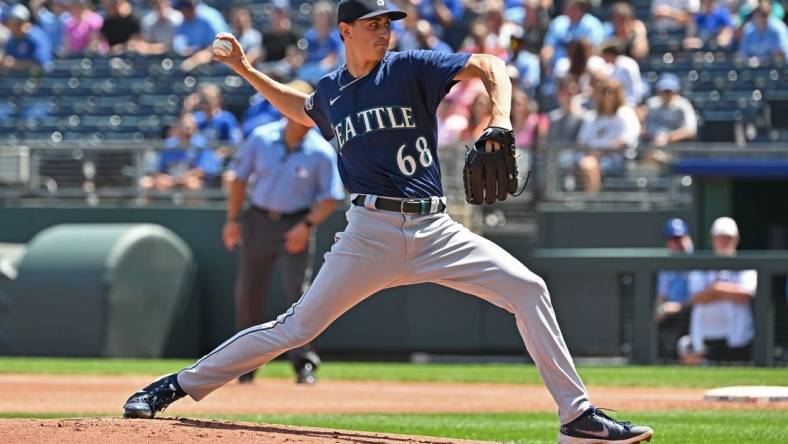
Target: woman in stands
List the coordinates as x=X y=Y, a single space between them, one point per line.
x=607 y=131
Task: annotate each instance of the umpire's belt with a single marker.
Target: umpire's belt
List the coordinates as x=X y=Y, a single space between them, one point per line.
x=276 y=215
x=416 y=207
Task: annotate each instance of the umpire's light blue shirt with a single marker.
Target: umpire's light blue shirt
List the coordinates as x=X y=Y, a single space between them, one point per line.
x=288 y=181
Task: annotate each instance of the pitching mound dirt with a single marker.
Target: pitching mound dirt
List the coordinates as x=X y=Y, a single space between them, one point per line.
x=181 y=430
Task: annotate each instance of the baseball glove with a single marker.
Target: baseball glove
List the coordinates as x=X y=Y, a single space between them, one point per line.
x=492 y=176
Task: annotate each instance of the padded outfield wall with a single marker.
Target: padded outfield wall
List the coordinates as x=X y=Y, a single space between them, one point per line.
x=401 y=320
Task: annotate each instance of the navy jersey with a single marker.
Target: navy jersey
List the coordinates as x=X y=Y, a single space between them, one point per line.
x=385 y=122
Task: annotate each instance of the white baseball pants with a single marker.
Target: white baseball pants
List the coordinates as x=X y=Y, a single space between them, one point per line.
x=382 y=249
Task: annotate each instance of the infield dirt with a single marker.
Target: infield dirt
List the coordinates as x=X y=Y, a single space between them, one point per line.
x=96 y=395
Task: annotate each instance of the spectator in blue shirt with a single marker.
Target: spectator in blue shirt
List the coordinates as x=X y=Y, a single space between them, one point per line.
x=213 y=15
x=442 y=13
x=576 y=23
x=712 y=24
x=28 y=45
x=525 y=62
x=219 y=126
x=187 y=160
x=445 y=16
x=260 y=112
x=764 y=37
x=673 y=302
x=195 y=32
x=324 y=47
x=50 y=16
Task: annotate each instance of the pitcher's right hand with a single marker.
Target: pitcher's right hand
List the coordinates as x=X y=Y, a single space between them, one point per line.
x=237 y=59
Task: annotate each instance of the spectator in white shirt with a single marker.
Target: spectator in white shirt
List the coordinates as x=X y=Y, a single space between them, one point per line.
x=608 y=131
x=721 y=324
x=158 y=26
x=673 y=15
x=624 y=69
x=669 y=117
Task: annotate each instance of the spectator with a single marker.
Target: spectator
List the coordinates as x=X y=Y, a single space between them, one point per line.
x=323 y=51
x=535 y=25
x=295 y=185
x=763 y=37
x=51 y=19
x=527 y=123
x=576 y=23
x=565 y=121
x=186 y=161
x=628 y=29
x=624 y=69
x=158 y=26
x=745 y=9
x=260 y=112
x=673 y=15
x=721 y=323
x=422 y=37
x=608 y=130
x=280 y=35
x=669 y=117
x=195 y=32
x=481 y=40
x=478 y=118
x=213 y=15
x=121 y=28
x=441 y=13
x=5 y=34
x=220 y=127
x=450 y=126
x=712 y=24
x=526 y=64
x=250 y=40
x=673 y=298
x=27 y=45
x=583 y=65
x=81 y=30
x=499 y=29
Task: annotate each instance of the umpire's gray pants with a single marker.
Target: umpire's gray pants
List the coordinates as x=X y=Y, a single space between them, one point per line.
x=262 y=245
x=381 y=249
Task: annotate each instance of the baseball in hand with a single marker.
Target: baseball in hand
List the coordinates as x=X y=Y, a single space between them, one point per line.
x=222 y=47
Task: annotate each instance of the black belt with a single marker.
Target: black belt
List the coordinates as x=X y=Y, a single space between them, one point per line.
x=418 y=207
x=276 y=215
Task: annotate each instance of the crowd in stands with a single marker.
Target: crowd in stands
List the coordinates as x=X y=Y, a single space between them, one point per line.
x=578 y=65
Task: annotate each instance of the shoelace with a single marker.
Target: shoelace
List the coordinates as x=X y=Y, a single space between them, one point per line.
x=599 y=412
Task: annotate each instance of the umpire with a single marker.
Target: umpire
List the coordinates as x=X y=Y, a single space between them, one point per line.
x=295 y=186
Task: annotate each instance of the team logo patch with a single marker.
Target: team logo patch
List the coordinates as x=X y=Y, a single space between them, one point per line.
x=301 y=171
x=309 y=102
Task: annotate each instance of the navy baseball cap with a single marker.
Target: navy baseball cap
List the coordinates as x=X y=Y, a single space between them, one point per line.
x=675 y=228
x=185 y=4
x=349 y=11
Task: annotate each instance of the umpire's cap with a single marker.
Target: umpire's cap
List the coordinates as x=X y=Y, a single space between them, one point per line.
x=675 y=228
x=349 y=11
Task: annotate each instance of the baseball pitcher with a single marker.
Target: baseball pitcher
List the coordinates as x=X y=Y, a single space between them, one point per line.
x=380 y=106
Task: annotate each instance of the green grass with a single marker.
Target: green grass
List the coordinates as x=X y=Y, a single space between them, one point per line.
x=685 y=427
x=628 y=376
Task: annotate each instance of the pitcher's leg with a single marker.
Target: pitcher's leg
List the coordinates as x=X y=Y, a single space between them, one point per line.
x=296 y=273
x=353 y=270
x=472 y=264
